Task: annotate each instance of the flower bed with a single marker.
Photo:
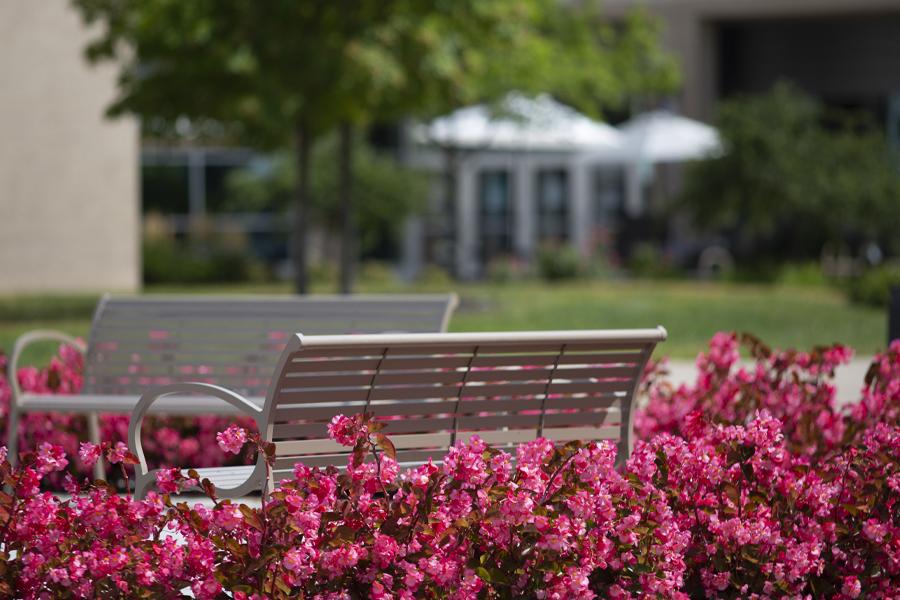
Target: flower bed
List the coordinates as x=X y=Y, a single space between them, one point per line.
x=750 y=484
x=167 y=440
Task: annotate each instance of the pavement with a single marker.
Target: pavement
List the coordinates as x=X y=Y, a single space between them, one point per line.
x=849 y=377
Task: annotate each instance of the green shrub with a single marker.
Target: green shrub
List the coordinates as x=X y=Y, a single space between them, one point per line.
x=794 y=176
x=323 y=273
x=559 y=262
x=647 y=260
x=167 y=261
x=807 y=274
x=434 y=276
x=874 y=286
x=377 y=273
x=504 y=269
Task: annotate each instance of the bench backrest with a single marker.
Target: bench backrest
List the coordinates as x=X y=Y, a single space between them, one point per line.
x=137 y=342
x=432 y=390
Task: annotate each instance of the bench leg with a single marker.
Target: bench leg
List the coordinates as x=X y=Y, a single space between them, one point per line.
x=12 y=438
x=143 y=482
x=93 y=420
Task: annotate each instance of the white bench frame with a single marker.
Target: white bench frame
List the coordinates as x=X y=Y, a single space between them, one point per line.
x=132 y=322
x=573 y=385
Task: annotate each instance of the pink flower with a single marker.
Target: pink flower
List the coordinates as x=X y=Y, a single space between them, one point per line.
x=89 y=453
x=228 y=517
x=232 y=439
x=344 y=430
x=167 y=480
x=874 y=530
x=337 y=561
x=50 y=458
x=207 y=588
x=300 y=561
x=851 y=587
x=384 y=550
x=117 y=453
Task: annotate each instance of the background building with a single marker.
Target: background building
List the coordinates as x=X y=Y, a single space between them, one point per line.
x=69 y=208
x=842 y=51
x=538 y=174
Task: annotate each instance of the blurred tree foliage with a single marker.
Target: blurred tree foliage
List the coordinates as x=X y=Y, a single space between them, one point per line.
x=384 y=190
x=794 y=177
x=284 y=72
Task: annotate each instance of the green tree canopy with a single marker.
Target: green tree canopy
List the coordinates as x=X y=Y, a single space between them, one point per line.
x=384 y=190
x=794 y=176
x=285 y=71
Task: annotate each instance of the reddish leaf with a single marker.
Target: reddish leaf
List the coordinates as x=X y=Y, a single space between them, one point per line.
x=386 y=445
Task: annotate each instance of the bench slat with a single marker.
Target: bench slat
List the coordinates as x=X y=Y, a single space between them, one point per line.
x=326 y=410
x=465 y=422
x=299 y=395
x=299 y=448
x=316 y=380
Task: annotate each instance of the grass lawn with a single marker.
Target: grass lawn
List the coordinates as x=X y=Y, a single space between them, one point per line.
x=691 y=311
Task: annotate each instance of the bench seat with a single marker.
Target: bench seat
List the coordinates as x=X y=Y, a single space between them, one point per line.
x=139 y=343
x=431 y=391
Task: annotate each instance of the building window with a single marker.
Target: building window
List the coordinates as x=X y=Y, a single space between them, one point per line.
x=552 y=205
x=495 y=218
x=440 y=223
x=609 y=192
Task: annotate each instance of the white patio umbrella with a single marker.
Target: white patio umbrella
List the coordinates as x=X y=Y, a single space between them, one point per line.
x=661 y=136
x=657 y=137
x=521 y=123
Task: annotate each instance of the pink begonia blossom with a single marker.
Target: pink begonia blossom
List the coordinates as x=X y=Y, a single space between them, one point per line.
x=206 y=589
x=874 y=530
x=166 y=481
x=89 y=453
x=851 y=587
x=50 y=458
x=344 y=430
x=232 y=439
x=116 y=453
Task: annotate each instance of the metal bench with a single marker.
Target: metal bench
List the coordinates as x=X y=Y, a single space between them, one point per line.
x=137 y=343
x=432 y=390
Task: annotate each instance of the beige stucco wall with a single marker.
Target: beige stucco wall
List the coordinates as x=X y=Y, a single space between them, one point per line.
x=69 y=208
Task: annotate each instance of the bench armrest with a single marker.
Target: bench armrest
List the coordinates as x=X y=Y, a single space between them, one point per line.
x=25 y=340
x=143 y=477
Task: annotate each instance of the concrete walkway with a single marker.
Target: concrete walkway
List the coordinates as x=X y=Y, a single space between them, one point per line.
x=849 y=377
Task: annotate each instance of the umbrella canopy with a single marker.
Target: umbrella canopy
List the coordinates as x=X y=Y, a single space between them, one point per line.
x=661 y=136
x=521 y=123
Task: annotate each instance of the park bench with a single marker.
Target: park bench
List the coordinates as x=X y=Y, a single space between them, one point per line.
x=136 y=343
x=431 y=390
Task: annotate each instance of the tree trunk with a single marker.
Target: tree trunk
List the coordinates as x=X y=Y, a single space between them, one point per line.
x=348 y=215
x=301 y=199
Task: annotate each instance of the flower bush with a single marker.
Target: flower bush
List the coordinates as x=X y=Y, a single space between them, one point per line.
x=797 y=388
x=167 y=440
x=732 y=494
